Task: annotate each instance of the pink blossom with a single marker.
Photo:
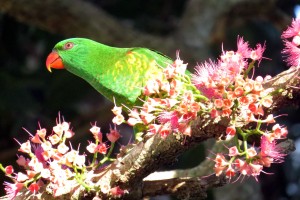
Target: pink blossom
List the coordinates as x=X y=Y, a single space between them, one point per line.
x=92 y=147
x=9 y=169
x=12 y=189
x=117 y=192
x=69 y=133
x=220 y=160
x=134 y=113
x=257 y=87
x=248 y=86
x=238 y=91
x=277 y=133
x=165 y=86
x=165 y=130
x=233 y=151
x=169 y=71
x=292 y=30
x=204 y=73
x=185 y=129
x=54 y=139
x=292 y=53
x=42 y=133
x=113 y=135
x=267 y=101
x=147 y=117
x=152 y=87
x=35 y=164
x=270 y=119
x=133 y=121
x=31 y=173
x=95 y=130
x=102 y=148
x=230 y=172
x=62 y=148
x=230 y=130
x=36 y=139
x=244 y=100
x=154 y=128
x=228 y=103
x=209 y=92
x=251 y=152
x=25 y=147
x=171 y=117
x=118 y=119
x=79 y=160
x=220 y=164
x=231 y=65
x=270 y=149
x=243 y=47
x=60 y=128
x=244 y=168
x=45 y=173
x=214 y=113
x=255 y=169
x=265 y=161
x=226 y=112
x=257 y=53
x=20 y=177
x=22 y=161
x=117 y=110
x=180 y=68
x=218 y=103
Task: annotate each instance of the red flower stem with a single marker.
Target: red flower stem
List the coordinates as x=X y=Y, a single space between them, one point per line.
x=107 y=157
x=95 y=154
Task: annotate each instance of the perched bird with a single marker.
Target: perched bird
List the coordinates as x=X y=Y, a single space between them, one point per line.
x=117 y=73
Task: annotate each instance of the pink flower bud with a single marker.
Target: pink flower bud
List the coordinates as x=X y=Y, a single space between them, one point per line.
x=230 y=130
x=113 y=135
x=34 y=188
x=117 y=192
x=9 y=169
x=233 y=151
x=25 y=147
x=92 y=148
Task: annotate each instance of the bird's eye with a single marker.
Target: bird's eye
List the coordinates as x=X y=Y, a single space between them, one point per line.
x=68 y=45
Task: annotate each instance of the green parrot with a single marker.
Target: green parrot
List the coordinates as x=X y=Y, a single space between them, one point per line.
x=119 y=74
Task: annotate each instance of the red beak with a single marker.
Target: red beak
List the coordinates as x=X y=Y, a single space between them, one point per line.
x=54 y=61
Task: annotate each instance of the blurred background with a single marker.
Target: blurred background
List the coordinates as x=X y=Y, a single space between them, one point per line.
x=29 y=94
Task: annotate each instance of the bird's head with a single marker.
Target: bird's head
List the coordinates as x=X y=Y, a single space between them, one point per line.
x=66 y=52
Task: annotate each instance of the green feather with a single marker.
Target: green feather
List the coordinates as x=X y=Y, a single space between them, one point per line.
x=119 y=73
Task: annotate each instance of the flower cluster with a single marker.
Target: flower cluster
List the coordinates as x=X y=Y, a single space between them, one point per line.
x=249 y=160
x=171 y=103
x=241 y=99
x=48 y=161
x=212 y=79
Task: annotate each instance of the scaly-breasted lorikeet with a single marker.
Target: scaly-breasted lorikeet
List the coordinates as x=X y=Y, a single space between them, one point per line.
x=119 y=73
